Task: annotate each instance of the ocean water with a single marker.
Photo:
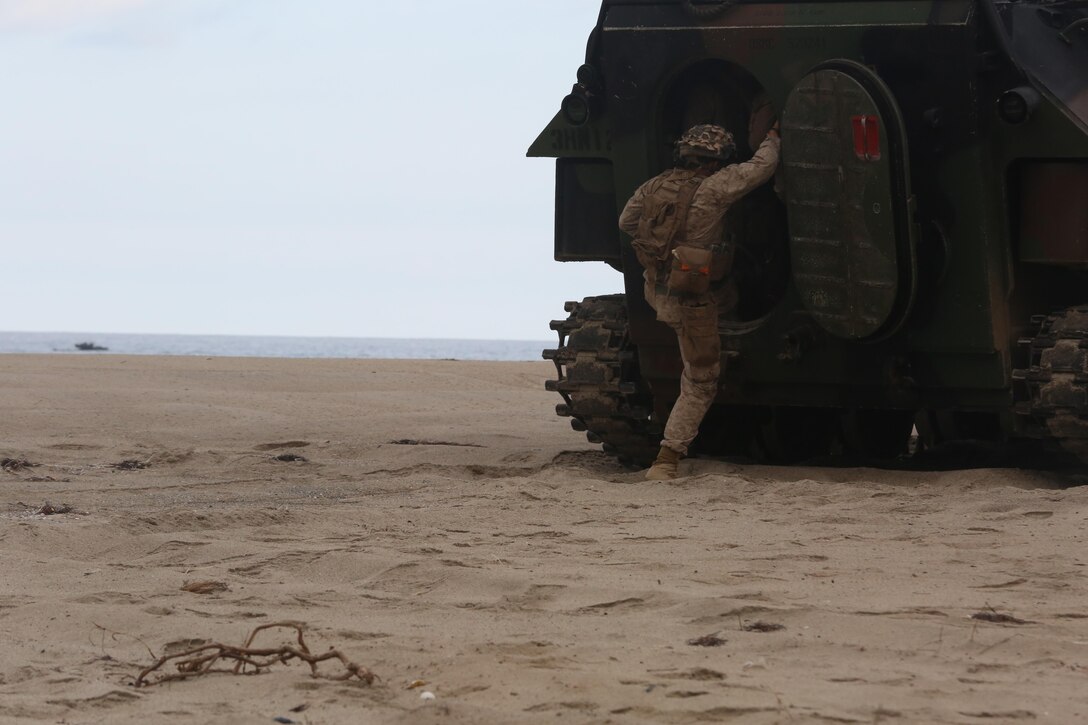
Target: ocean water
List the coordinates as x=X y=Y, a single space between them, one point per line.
x=64 y=343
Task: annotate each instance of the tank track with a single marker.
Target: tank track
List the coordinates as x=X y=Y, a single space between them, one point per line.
x=1052 y=392
x=598 y=377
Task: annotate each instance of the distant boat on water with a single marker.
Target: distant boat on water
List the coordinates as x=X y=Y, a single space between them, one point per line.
x=89 y=346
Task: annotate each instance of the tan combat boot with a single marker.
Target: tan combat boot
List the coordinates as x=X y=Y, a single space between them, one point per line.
x=664 y=468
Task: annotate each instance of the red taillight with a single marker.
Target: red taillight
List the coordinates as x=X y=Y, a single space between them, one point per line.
x=867 y=137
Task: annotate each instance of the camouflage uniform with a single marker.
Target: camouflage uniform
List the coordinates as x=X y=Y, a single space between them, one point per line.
x=695 y=317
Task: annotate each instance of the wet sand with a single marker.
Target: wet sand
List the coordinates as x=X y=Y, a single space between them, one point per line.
x=447 y=527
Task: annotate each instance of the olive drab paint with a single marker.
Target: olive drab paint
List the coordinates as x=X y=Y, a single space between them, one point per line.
x=920 y=257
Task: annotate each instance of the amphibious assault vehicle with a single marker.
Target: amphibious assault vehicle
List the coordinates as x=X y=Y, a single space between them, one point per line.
x=921 y=258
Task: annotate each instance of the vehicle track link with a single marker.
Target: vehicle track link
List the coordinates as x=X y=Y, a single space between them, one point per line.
x=598 y=378
x=1053 y=389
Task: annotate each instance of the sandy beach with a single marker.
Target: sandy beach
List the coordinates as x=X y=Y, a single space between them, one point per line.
x=443 y=528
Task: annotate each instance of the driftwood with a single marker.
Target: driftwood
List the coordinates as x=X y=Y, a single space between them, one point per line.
x=247 y=659
x=15 y=464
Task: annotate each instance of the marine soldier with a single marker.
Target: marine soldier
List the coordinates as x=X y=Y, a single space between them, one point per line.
x=677 y=221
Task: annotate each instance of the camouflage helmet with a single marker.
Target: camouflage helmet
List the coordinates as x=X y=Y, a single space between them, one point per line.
x=707 y=141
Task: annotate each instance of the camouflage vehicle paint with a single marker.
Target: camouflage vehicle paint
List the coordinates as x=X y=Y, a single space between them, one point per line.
x=929 y=219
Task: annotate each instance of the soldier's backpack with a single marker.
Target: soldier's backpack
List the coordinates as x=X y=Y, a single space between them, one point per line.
x=659 y=243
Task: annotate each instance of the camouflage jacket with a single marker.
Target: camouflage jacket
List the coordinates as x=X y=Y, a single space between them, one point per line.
x=715 y=195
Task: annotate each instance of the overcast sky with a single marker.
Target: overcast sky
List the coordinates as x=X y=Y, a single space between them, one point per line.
x=292 y=167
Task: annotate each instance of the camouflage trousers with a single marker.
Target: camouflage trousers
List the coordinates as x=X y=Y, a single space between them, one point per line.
x=695 y=321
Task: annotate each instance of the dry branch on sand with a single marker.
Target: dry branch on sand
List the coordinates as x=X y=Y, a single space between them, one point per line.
x=247 y=659
x=15 y=464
